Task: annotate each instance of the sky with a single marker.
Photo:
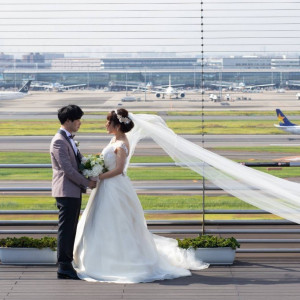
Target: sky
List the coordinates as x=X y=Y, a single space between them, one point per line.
x=102 y=27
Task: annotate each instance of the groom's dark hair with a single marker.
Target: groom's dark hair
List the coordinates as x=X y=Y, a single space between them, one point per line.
x=70 y=112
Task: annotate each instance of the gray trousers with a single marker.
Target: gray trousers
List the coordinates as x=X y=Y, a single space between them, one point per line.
x=69 y=211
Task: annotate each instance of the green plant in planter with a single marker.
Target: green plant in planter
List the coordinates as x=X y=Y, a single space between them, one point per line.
x=208 y=241
x=27 y=242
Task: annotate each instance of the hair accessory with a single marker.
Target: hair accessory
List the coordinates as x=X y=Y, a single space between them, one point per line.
x=122 y=119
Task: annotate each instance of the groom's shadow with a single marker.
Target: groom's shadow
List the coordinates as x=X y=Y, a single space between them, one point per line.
x=244 y=274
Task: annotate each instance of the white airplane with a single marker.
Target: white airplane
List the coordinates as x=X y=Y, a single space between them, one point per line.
x=16 y=95
x=285 y=124
x=169 y=90
x=160 y=91
x=57 y=86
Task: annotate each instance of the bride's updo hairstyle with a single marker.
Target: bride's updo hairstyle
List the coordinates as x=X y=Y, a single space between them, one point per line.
x=120 y=117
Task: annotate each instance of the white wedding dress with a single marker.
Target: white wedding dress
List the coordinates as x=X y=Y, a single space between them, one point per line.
x=113 y=243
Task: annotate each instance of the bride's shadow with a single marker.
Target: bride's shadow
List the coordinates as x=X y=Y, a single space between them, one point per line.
x=243 y=274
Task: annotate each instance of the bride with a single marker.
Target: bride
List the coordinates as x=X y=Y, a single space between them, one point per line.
x=112 y=242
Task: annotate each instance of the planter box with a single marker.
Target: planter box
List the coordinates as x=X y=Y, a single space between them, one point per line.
x=27 y=256
x=216 y=256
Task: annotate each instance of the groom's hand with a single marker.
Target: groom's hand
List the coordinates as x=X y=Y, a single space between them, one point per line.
x=92 y=184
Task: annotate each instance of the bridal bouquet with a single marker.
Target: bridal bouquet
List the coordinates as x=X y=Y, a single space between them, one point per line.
x=92 y=166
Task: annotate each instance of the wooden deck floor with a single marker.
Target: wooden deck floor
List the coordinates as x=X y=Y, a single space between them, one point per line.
x=250 y=278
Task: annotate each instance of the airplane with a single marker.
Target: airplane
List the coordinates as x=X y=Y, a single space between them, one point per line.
x=23 y=91
x=56 y=86
x=168 y=90
x=285 y=124
x=160 y=91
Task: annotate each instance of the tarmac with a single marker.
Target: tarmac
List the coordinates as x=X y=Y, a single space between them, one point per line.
x=47 y=103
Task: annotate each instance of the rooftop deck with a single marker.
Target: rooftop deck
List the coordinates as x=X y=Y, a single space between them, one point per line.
x=261 y=277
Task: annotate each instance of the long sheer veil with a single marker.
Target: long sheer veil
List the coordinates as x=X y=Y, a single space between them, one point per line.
x=270 y=193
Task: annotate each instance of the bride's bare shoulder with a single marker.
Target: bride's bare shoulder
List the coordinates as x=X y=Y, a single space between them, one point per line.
x=126 y=144
x=122 y=143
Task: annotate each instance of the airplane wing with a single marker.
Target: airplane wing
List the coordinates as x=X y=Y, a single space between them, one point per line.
x=259 y=85
x=45 y=86
x=220 y=85
x=163 y=92
x=73 y=86
x=172 y=85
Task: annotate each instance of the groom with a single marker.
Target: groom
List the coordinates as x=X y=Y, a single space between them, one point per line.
x=67 y=186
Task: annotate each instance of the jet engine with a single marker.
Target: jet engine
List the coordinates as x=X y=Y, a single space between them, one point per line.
x=157 y=95
x=182 y=95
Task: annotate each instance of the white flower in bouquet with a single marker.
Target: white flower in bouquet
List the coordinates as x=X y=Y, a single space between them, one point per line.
x=92 y=166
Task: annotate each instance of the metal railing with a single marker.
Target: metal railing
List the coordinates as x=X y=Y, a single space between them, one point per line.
x=194 y=226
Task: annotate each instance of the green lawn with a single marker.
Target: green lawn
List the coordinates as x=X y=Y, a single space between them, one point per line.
x=12 y=157
x=159 y=173
x=266 y=149
x=224 y=127
x=142 y=173
x=149 y=202
x=165 y=173
x=33 y=127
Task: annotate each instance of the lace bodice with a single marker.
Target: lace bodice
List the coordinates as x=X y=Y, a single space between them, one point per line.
x=110 y=155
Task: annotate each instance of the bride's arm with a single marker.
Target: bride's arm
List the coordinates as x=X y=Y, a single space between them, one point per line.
x=120 y=163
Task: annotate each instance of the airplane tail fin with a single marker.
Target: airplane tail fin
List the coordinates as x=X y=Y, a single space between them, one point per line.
x=25 y=88
x=283 y=120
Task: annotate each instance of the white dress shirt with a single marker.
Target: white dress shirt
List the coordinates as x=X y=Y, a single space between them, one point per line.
x=71 y=140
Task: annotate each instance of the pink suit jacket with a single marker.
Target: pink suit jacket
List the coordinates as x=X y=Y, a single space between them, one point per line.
x=67 y=181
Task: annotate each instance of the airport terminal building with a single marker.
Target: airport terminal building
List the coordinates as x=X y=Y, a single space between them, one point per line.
x=98 y=73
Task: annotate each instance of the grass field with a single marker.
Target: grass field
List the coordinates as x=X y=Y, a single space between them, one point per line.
x=33 y=127
x=149 y=202
x=143 y=173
